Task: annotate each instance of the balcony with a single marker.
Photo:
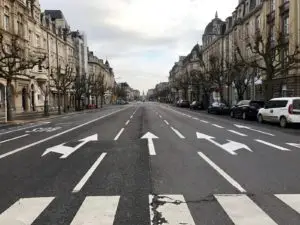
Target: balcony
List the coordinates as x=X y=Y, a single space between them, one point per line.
x=271 y=17
x=285 y=7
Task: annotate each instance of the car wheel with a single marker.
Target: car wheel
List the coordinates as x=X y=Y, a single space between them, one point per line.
x=283 y=122
x=260 y=118
x=231 y=114
x=244 y=116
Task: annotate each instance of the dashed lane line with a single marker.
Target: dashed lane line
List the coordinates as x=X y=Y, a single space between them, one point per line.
x=238 y=133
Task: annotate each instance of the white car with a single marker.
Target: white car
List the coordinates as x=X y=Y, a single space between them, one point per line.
x=281 y=110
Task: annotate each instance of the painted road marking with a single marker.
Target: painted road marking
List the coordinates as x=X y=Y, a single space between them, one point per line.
x=131 y=117
x=25 y=211
x=218 y=126
x=57 y=135
x=89 y=173
x=272 y=145
x=178 y=133
x=238 y=133
x=149 y=136
x=128 y=121
x=243 y=211
x=249 y=128
x=292 y=200
x=195 y=118
x=204 y=121
x=119 y=134
x=222 y=173
x=175 y=211
x=97 y=210
x=296 y=145
x=166 y=122
x=15 y=138
x=24 y=128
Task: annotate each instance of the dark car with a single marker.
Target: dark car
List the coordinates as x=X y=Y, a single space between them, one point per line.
x=184 y=104
x=196 y=105
x=246 y=109
x=218 y=108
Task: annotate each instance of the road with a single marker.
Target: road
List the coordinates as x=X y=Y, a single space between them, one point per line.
x=149 y=164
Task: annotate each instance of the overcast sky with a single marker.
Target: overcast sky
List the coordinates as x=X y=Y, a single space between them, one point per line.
x=141 y=38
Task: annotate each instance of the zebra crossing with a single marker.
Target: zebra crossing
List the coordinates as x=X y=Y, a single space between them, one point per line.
x=163 y=209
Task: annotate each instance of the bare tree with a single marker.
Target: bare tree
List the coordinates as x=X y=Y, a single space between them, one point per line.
x=183 y=83
x=272 y=56
x=98 y=88
x=62 y=81
x=80 y=86
x=15 y=63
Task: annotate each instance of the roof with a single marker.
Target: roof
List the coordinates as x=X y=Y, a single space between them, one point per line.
x=286 y=98
x=55 y=14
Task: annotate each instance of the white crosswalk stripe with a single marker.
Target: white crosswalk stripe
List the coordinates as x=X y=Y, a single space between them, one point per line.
x=173 y=209
x=24 y=211
x=97 y=210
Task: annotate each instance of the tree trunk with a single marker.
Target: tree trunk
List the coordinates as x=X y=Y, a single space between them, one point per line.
x=97 y=101
x=65 y=95
x=8 y=101
x=101 y=101
x=46 y=103
x=58 y=102
x=268 y=90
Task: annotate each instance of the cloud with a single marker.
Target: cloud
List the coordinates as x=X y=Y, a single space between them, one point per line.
x=141 y=38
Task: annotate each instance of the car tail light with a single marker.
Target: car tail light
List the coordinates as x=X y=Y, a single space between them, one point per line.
x=291 y=109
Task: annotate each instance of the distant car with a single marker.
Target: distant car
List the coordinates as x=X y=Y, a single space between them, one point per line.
x=184 y=104
x=218 y=108
x=246 y=109
x=196 y=105
x=281 y=110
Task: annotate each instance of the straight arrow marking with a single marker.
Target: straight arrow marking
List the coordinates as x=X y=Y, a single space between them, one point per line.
x=294 y=145
x=149 y=136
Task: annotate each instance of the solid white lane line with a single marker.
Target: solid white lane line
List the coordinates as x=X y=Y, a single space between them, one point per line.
x=222 y=173
x=238 y=133
x=292 y=200
x=204 y=121
x=166 y=122
x=15 y=138
x=218 y=126
x=128 y=121
x=243 y=211
x=272 y=145
x=97 y=210
x=178 y=133
x=89 y=173
x=119 y=134
x=25 y=211
x=57 y=135
x=24 y=128
x=175 y=211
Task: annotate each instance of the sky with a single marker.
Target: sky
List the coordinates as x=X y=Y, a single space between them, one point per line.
x=142 y=39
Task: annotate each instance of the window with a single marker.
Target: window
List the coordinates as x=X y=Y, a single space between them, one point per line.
x=296 y=104
x=257 y=23
x=272 y=33
x=286 y=25
x=45 y=43
x=38 y=41
x=247 y=29
x=272 y=5
x=6 y=19
x=20 y=27
x=30 y=36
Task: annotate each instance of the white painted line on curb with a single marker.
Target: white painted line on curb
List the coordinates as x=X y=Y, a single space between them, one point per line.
x=204 y=121
x=57 y=135
x=128 y=121
x=119 y=134
x=272 y=145
x=222 y=173
x=218 y=126
x=166 y=122
x=178 y=133
x=89 y=173
x=24 y=128
x=13 y=138
x=238 y=133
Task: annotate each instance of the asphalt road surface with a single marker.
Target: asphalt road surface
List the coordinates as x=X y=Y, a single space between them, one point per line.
x=149 y=164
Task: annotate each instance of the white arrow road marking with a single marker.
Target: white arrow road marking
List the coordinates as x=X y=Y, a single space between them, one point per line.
x=15 y=138
x=249 y=128
x=272 y=145
x=149 y=136
x=230 y=147
x=97 y=210
x=218 y=126
x=222 y=173
x=178 y=133
x=294 y=145
x=25 y=211
x=119 y=134
x=243 y=211
x=292 y=200
x=89 y=173
x=238 y=133
x=166 y=122
x=66 y=150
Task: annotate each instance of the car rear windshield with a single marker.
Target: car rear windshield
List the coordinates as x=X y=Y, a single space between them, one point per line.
x=296 y=104
x=257 y=103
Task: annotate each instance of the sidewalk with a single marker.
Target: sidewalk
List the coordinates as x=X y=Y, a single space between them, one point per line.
x=31 y=117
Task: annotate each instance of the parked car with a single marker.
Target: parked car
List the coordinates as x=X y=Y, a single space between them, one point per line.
x=218 y=108
x=246 y=109
x=196 y=105
x=184 y=104
x=281 y=110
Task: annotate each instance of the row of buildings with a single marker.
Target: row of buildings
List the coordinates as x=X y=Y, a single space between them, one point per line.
x=48 y=34
x=128 y=93
x=264 y=35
